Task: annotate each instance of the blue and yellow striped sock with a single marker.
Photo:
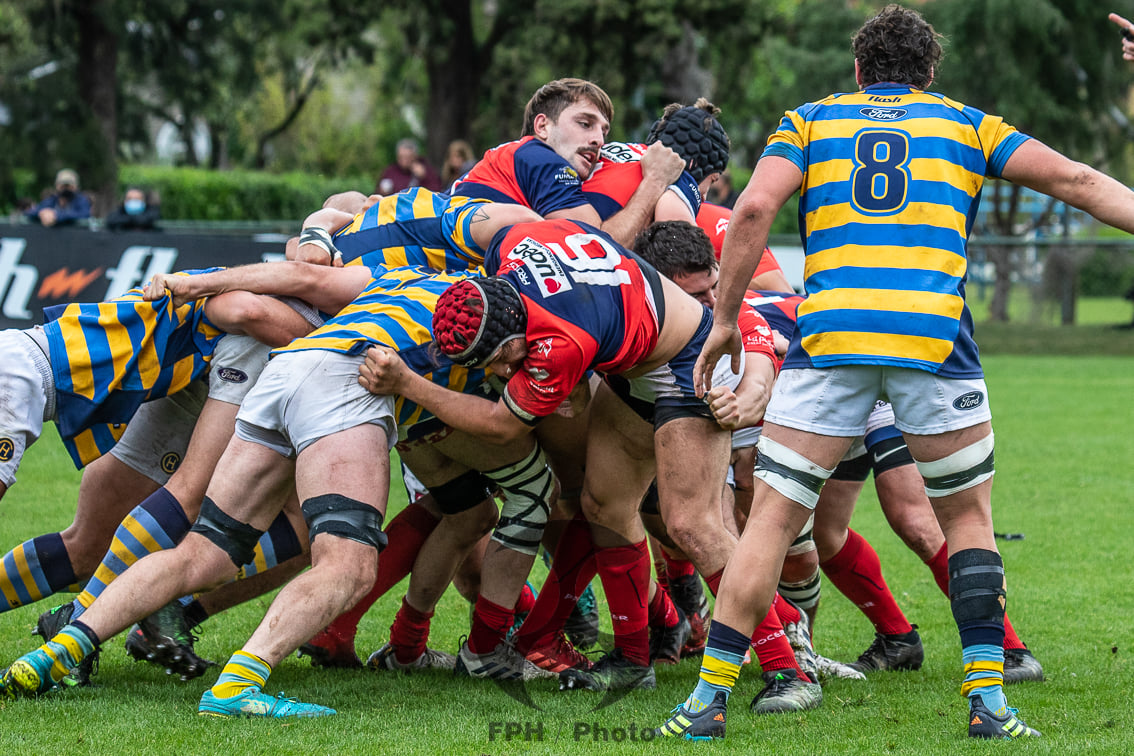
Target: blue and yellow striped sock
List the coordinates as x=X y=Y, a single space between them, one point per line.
x=156 y=524
x=243 y=671
x=34 y=570
x=278 y=544
x=724 y=655
x=68 y=647
x=984 y=675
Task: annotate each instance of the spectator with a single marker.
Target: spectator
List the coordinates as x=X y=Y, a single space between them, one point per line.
x=722 y=192
x=408 y=169
x=65 y=205
x=459 y=158
x=136 y=213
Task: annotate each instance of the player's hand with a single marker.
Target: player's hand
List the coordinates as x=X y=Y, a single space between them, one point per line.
x=382 y=372
x=661 y=163
x=178 y=288
x=1127 y=28
x=781 y=343
x=725 y=407
x=721 y=340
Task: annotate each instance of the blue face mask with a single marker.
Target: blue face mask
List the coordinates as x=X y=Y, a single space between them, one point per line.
x=134 y=206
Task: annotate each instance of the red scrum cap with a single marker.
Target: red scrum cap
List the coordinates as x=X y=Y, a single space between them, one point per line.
x=475 y=317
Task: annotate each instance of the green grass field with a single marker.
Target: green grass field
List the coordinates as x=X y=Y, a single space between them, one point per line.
x=1064 y=445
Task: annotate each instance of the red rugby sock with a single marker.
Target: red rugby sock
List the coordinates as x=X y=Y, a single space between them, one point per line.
x=856 y=571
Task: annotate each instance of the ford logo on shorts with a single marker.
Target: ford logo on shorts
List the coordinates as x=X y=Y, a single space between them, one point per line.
x=232 y=375
x=969 y=401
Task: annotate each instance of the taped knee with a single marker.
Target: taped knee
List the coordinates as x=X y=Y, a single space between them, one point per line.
x=527 y=487
x=235 y=538
x=962 y=469
x=343 y=517
x=789 y=472
x=976 y=588
x=462 y=493
x=803 y=593
x=805 y=541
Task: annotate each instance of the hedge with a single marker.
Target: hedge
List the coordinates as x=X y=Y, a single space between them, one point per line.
x=236 y=195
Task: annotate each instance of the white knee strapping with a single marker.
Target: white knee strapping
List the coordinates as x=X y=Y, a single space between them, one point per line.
x=805 y=541
x=790 y=473
x=527 y=486
x=962 y=469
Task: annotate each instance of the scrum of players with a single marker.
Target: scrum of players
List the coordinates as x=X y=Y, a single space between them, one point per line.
x=537 y=344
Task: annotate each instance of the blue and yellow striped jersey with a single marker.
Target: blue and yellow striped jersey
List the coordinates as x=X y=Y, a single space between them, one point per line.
x=109 y=357
x=891 y=183
x=396 y=310
x=413 y=227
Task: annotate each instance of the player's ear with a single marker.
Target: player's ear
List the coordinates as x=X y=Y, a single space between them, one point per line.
x=541 y=126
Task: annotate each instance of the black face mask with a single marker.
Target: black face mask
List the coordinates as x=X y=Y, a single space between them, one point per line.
x=67 y=194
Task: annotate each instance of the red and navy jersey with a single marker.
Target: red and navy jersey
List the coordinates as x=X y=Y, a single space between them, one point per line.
x=756 y=332
x=713 y=220
x=778 y=309
x=525 y=172
x=619 y=172
x=591 y=305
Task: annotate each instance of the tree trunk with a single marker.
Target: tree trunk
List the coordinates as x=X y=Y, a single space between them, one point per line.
x=98 y=85
x=1001 y=259
x=455 y=71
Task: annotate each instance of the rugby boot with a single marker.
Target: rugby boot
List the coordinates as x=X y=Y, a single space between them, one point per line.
x=384 y=659
x=252 y=703
x=707 y=724
x=784 y=690
x=1021 y=666
x=984 y=724
x=892 y=652
x=612 y=672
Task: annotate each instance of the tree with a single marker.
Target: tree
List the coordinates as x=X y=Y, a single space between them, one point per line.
x=1052 y=69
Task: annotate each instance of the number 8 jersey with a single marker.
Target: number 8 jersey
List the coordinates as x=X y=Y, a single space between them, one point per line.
x=591 y=305
x=891 y=182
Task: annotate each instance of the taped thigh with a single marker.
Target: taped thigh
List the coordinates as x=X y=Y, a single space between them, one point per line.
x=789 y=472
x=961 y=470
x=233 y=537
x=344 y=517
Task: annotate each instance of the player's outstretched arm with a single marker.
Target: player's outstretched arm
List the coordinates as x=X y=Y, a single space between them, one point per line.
x=1039 y=167
x=327 y=289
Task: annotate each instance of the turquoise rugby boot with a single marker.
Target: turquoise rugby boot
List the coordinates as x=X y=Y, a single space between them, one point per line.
x=254 y=703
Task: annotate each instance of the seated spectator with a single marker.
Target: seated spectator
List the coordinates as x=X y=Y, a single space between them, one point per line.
x=408 y=169
x=136 y=213
x=65 y=205
x=721 y=192
x=459 y=158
